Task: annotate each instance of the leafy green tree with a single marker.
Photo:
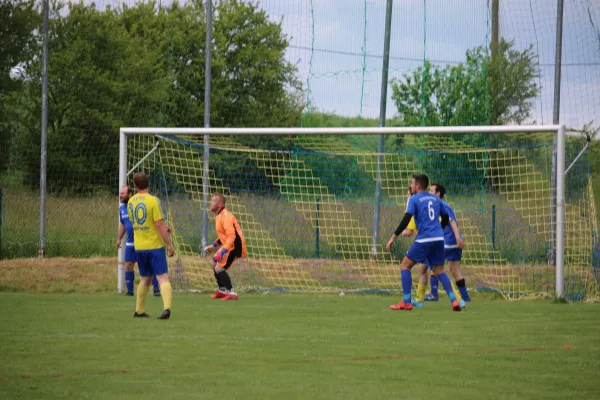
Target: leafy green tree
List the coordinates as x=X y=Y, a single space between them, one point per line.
x=257 y=86
x=482 y=90
x=97 y=82
x=18 y=20
x=144 y=66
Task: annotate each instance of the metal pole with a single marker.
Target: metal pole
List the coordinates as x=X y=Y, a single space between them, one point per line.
x=317 y=233
x=382 y=112
x=207 y=82
x=555 y=121
x=143 y=159
x=0 y=223
x=558 y=61
x=560 y=212
x=495 y=25
x=588 y=139
x=122 y=182
x=44 y=138
x=494 y=228
x=390 y=130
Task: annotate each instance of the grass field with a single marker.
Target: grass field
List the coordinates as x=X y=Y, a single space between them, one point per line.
x=295 y=347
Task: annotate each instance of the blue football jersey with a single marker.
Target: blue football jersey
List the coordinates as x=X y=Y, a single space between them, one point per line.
x=124 y=218
x=449 y=238
x=427 y=209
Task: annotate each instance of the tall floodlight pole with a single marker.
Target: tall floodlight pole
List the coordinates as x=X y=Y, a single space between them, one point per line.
x=382 y=110
x=555 y=120
x=44 y=138
x=207 y=82
x=495 y=25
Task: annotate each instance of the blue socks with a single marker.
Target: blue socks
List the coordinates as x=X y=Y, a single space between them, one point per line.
x=406 y=279
x=433 y=282
x=462 y=288
x=129 y=278
x=445 y=281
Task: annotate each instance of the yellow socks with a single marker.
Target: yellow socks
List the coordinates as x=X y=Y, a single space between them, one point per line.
x=141 y=298
x=167 y=294
x=421 y=292
x=456 y=291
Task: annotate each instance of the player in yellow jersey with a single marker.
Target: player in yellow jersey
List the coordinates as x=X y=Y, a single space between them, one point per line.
x=150 y=236
x=233 y=246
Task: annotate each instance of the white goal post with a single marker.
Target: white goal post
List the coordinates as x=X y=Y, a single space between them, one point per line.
x=558 y=130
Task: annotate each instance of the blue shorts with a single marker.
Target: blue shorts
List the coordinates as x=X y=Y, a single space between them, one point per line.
x=152 y=262
x=454 y=254
x=130 y=254
x=430 y=253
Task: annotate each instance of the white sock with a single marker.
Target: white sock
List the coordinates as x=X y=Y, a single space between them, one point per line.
x=232 y=291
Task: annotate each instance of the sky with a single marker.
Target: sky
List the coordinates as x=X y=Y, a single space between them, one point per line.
x=337 y=46
x=343 y=75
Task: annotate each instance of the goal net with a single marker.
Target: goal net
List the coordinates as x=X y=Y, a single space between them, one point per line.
x=317 y=206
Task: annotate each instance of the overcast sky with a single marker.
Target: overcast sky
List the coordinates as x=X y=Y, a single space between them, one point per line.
x=343 y=72
x=344 y=81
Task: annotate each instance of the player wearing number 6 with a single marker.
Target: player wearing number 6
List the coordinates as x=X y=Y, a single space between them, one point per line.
x=150 y=236
x=233 y=246
x=429 y=243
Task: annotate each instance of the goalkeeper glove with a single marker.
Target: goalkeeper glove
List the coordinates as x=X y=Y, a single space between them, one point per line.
x=219 y=255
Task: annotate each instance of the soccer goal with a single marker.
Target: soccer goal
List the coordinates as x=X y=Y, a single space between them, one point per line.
x=317 y=205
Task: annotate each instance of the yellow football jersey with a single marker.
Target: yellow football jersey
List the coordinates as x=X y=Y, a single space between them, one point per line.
x=412 y=226
x=144 y=211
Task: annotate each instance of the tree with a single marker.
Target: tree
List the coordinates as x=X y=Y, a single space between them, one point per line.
x=512 y=84
x=480 y=91
x=144 y=66
x=257 y=86
x=483 y=90
x=97 y=82
x=18 y=20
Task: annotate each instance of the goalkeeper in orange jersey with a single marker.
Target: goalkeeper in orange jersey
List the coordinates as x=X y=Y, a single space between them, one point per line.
x=233 y=246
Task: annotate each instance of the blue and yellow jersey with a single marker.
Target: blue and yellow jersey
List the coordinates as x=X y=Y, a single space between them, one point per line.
x=144 y=211
x=426 y=210
x=449 y=238
x=412 y=225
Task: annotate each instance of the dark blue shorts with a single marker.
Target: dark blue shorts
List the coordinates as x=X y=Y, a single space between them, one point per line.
x=130 y=254
x=430 y=253
x=429 y=266
x=152 y=262
x=454 y=254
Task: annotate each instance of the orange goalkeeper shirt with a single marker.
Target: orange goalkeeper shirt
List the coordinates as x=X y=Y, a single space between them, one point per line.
x=230 y=233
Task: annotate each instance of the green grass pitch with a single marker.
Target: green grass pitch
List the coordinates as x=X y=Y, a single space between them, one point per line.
x=295 y=347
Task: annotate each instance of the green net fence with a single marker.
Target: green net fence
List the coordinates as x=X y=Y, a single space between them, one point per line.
x=309 y=63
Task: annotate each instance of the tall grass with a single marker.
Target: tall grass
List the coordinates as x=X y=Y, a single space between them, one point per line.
x=85 y=227
x=75 y=227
